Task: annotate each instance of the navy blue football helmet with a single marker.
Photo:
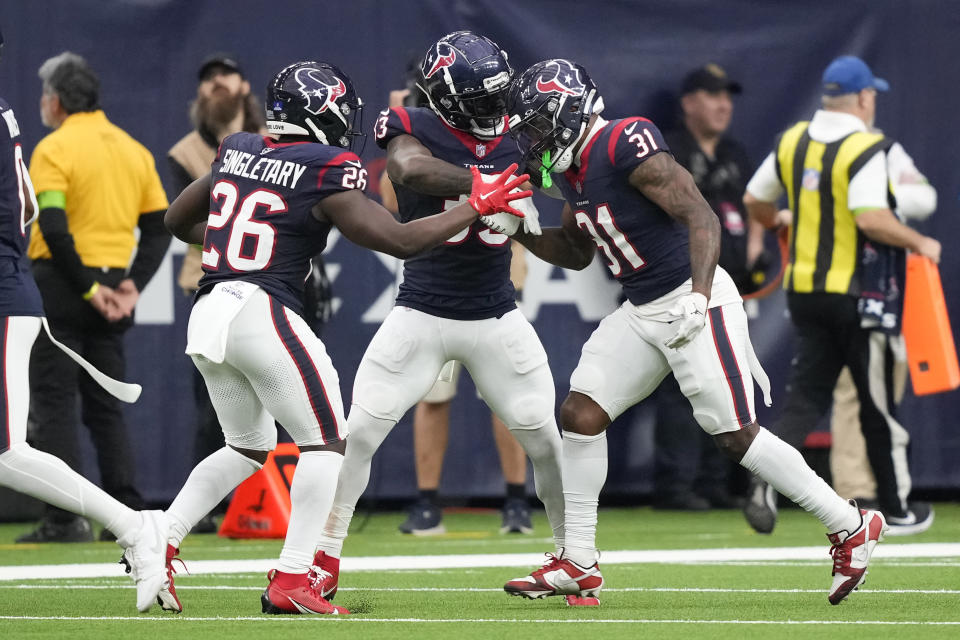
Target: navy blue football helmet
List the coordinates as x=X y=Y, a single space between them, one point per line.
x=314 y=100
x=466 y=77
x=550 y=105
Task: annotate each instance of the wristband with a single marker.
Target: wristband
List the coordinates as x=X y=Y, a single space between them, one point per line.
x=92 y=291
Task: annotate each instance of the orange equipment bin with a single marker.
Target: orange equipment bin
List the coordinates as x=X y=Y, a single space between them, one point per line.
x=926 y=328
x=260 y=507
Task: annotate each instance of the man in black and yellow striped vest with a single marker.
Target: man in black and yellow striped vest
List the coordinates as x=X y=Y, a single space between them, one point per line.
x=842 y=228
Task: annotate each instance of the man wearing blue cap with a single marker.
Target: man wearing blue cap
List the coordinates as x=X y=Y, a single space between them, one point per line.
x=844 y=279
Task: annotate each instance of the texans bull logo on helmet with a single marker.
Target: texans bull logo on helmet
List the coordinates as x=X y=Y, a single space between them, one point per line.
x=565 y=81
x=443 y=59
x=319 y=93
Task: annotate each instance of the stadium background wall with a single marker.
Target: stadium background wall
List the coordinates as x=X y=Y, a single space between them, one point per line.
x=147 y=52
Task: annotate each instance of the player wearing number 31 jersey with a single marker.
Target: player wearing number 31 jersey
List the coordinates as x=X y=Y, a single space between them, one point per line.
x=265 y=209
x=627 y=196
x=456 y=301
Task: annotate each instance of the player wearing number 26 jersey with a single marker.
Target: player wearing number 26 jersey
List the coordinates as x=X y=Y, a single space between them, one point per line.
x=264 y=210
x=456 y=301
x=627 y=196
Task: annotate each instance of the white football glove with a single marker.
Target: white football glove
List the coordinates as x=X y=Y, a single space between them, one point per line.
x=507 y=223
x=691 y=309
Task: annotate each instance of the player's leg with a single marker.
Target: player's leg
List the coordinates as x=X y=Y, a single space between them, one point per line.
x=398 y=368
x=714 y=373
x=617 y=369
x=46 y=477
x=301 y=390
x=509 y=366
x=513 y=463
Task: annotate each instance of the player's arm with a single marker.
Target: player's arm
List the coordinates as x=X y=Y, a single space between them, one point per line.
x=368 y=224
x=186 y=218
x=411 y=164
x=671 y=187
x=566 y=246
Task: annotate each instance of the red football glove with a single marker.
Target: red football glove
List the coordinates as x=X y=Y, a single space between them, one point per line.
x=488 y=198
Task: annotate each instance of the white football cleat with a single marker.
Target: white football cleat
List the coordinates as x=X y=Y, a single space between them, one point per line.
x=851 y=553
x=145 y=559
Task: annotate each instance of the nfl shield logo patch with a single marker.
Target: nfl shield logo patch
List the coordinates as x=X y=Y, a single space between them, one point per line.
x=481 y=150
x=811 y=179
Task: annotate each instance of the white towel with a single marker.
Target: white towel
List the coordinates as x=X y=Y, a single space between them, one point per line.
x=211 y=318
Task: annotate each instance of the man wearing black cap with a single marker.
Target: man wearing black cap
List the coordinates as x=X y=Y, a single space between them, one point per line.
x=844 y=278
x=690 y=473
x=224 y=105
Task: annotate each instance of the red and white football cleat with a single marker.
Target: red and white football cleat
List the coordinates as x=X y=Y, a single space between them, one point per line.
x=851 y=553
x=293 y=593
x=324 y=574
x=558 y=576
x=167 y=598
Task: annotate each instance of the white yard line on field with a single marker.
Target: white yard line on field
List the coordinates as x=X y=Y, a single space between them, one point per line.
x=175 y=620
x=228 y=587
x=380 y=563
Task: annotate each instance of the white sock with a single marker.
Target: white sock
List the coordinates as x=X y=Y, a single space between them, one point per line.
x=543 y=446
x=311 y=496
x=584 y=473
x=210 y=481
x=785 y=470
x=366 y=435
x=50 y=479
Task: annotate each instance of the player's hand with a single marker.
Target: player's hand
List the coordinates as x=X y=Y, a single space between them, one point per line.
x=489 y=198
x=691 y=309
x=507 y=223
x=930 y=248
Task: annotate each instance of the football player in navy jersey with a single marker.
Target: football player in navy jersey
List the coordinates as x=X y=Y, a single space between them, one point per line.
x=265 y=209
x=23 y=468
x=456 y=301
x=627 y=199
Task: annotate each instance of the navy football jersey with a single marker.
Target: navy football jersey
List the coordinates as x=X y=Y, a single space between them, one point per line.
x=261 y=228
x=468 y=276
x=19 y=295
x=646 y=250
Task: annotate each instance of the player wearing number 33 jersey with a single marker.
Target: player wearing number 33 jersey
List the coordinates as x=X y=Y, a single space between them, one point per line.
x=264 y=210
x=456 y=301
x=642 y=211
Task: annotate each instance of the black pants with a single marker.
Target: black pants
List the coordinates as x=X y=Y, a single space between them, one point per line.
x=828 y=337
x=56 y=382
x=686 y=459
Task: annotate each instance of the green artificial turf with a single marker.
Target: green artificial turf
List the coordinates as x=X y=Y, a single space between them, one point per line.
x=713 y=600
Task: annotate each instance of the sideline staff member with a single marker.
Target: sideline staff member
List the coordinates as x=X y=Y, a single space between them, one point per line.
x=835 y=173
x=95 y=185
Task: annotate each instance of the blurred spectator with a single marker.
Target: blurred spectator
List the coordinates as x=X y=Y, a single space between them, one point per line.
x=224 y=105
x=690 y=472
x=849 y=467
x=95 y=186
x=847 y=248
